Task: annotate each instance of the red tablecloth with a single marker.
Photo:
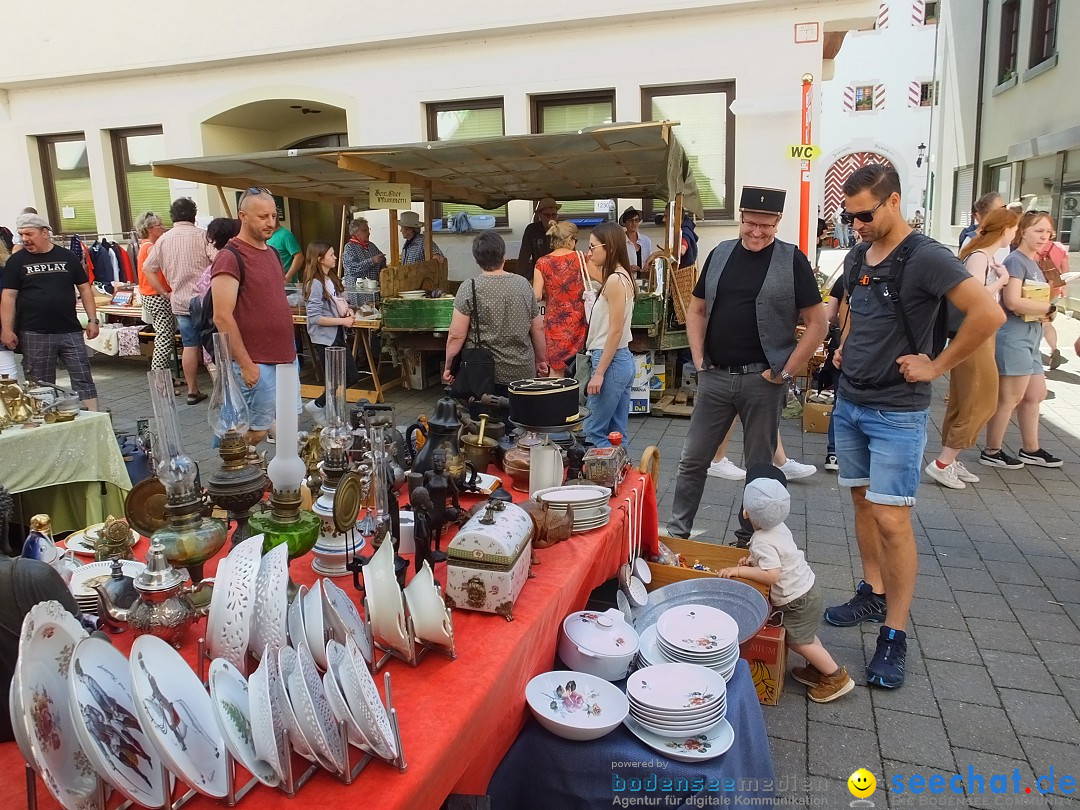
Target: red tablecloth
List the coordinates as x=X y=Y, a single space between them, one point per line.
x=457 y=718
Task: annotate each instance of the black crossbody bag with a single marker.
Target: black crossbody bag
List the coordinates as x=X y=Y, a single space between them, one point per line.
x=473 y=367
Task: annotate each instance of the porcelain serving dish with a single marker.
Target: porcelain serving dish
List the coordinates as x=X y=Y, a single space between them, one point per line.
x=488 y=563
x=576 y=705
x=601 y=644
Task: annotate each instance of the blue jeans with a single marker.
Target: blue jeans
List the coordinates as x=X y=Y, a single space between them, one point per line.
x=830 y=444
x=609 y=411
x=261 y=398
x=880 y=450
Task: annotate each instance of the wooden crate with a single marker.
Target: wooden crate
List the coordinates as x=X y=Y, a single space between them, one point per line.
x=710 y=554
x=646 y=310
x=422 y=313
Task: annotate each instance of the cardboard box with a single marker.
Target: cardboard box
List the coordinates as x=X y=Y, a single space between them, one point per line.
x=766 y=653
x=648 y=376
x=1035 y=291
x=816 y=416
x=709 y=554
x=689 y=378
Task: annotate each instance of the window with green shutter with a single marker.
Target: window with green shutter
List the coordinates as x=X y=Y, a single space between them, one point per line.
x=462 y=120
x=138 y=189
x=706 y=132
x=569 y=112
x=68 y=194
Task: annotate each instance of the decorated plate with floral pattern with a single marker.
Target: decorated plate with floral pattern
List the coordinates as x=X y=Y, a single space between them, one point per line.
x=229 y=694
x=108 y=726
x=49 y=636
x=707 y=744
x=680 y=689
x=698 y=630
x=576 y=705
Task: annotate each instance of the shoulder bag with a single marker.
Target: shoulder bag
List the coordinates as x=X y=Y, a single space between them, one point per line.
x=474 y=367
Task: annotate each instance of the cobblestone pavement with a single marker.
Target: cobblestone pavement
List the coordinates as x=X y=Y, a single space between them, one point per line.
x=994 y=648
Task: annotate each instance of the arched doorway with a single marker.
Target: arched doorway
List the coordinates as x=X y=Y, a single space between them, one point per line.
x=840 y=171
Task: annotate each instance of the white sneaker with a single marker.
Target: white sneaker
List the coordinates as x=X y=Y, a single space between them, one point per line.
x=793 y=470
x=964 y=474
x=317 y=413
x=725 y=468
x=947 y=477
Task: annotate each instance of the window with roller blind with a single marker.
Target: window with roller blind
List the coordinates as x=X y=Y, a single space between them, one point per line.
x=463 y=120
x=706 y=132
x=569 y=112
x=66 y=173
x=138 y=189
x=963 y=195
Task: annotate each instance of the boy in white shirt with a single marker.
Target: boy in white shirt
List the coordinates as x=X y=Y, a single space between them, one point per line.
x=776 y=561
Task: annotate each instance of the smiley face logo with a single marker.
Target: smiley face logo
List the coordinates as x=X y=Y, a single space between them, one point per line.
x=862 y=784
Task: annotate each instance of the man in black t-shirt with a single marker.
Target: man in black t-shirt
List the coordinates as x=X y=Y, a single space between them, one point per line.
x=534 y=239
x=37 y=309
x=741 y=329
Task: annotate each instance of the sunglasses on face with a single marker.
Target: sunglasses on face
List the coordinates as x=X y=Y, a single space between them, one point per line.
x=595 y=247
x=848 y=217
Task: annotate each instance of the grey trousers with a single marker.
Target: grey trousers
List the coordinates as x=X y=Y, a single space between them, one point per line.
x=720 y=397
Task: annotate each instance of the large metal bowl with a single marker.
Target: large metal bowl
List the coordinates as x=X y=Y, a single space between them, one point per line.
x=744 y=604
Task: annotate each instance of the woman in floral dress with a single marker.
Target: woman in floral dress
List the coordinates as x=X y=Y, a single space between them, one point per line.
x=559 y=281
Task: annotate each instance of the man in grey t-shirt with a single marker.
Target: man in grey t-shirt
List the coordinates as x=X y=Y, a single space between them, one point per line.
x=883 y=397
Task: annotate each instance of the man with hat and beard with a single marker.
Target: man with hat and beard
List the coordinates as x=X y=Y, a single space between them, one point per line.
x=38 y=308
x=741 y=323
x=413 y=250
x=534 y=239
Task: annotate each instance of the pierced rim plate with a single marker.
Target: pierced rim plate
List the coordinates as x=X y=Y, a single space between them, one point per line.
x=230 y=696
x=344 y=618
x=363 y=698
x=287 y=664
x=269 y=619
x=233 y=603
x=336 y=655
x=315 y=624
x=267 y=714
x=176 y=711
x=48 y=640
x=295 y=614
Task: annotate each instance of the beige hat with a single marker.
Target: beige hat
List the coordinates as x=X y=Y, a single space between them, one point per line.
x=409 y=219
x=547 y=202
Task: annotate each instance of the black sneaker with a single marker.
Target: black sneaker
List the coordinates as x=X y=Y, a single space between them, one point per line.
x=887 y=666
x=1001 y=460
x=830 y=462
x=1040 y=458
x=865 y=606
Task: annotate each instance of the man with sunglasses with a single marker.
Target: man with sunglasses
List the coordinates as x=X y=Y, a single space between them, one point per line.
x=894 y=285
x=251 y=308
x=740 y=324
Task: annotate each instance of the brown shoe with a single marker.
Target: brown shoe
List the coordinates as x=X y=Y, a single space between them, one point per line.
x=831 y=687
x=808 y=675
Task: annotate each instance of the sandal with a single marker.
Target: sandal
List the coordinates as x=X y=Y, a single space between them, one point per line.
x=195 y=399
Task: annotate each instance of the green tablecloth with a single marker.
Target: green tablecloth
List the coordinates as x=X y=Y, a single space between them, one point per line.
x=60 y=469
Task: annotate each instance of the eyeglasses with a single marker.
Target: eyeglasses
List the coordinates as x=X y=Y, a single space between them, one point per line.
x=848 y=217
x=759 y=226
x=594 y=247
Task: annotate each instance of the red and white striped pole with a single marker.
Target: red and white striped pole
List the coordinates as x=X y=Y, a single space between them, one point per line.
x=804 y=169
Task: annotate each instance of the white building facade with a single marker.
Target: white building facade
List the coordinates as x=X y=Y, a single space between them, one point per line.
x=79 y=125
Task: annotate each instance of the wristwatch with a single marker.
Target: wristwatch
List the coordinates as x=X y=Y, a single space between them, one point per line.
x=1052 y=310
x=94 y=321
x=785 y=376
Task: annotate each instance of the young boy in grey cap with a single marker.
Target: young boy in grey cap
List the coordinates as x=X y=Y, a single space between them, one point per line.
x=776 y=561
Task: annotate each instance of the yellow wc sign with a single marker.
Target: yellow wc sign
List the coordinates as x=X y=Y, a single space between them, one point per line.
x=803 y=151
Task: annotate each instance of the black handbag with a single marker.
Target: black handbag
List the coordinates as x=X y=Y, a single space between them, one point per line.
x=473 y=367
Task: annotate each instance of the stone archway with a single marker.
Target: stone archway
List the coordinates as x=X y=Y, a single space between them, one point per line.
x=841 y=169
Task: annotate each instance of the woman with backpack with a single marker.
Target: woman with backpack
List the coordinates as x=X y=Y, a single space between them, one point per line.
x=328 y=313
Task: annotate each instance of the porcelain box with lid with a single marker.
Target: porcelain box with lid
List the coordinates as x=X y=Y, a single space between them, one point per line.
x=488 y=560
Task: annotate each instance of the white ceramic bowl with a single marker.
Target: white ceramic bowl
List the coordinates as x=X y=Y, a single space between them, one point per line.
x=576 y=705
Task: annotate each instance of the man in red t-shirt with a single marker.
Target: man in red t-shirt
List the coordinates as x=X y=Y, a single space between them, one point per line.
x=251 y=308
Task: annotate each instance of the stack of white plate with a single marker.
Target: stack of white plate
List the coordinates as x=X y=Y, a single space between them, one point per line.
x=85 y=577
x=678 y=637
x=413 y=294
x=590 y=503
x=679 y=709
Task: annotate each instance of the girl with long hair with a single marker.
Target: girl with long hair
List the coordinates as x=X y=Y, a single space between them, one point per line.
x=609 y=336
x=973 y=385
x=1021 y=382
x=328 y=313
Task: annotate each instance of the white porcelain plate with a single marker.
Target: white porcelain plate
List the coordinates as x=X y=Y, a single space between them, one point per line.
x=229 y=694
x=269 y=620
x=318 y=718
x=344 y=618
x=98 y=573
x=314 y=624
x=363 y=698
x=49 y=636
x=107 y=725
x=176 y=711
x=295 y=618
x=698 y=629
x=287 y=664
x=386 y=608
x=266 y=712
x=575 y=705
x=336 y=657
x=708 y=744
x=233 y=603
x=431 y=618
x=679 y=687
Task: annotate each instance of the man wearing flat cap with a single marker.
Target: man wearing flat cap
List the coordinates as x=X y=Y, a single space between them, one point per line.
x=741 y=323
x=534 y=239
x=414 y=250
x=37 y=308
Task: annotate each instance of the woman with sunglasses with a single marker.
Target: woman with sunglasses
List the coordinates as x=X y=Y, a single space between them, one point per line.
x=609 y=335
x=559 y=279
x=328 y=314
x=973 y=384
x=1021 y=383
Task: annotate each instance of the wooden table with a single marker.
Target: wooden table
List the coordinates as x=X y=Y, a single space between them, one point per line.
x=457 y=718
x=362 y=330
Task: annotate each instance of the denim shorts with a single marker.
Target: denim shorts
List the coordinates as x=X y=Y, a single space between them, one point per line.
x=880 y=450
x=189 y=335
x=1016 y=349
x=261 y=398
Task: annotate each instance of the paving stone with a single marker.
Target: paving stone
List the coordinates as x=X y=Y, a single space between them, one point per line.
x=936 y=588
x=1042 y=755
x=908 y=799
x=959 y=558
x=984 y=606
x=1070 y=689
x=932 y=613
x=948 y=645
x=1029 y=597
x=790 y=767
x=966 y=579
x=854 y=710
x=1049 y=626
x=787 y=719
x=1012 y=572
x=1060 y=658
x=916 y=696
x=1035 y=714
x=969 y=683
x=988 y=765
x=951 y=538
x=928 y=565
x=1018 y=671
x=980 y=728
x=1053 y=566
x=1063 y=590
x=997 y=635
x=912 y=738
x=832 y=749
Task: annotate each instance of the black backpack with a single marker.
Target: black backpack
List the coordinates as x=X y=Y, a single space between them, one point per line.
x=201 y=308
x=894 y=281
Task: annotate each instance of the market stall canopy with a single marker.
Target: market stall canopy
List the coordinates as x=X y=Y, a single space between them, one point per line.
x=615 y=160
